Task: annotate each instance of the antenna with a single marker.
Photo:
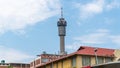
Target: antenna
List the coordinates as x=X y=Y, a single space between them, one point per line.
x=61 y=12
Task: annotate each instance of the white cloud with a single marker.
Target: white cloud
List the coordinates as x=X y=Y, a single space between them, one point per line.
x=94 y=38
x=116 y=39
x=100 y=36
x=114 y=4
x=109 y=21
x=18 y=14
x=92 y=8
x=12 y=55
x=73 y=46
x=96 y=7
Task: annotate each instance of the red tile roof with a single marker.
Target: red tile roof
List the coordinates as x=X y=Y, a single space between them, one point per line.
x=86 y=50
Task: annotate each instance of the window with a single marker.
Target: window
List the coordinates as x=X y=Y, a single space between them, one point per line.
x=44 y=60
x=108 y=60
x=100 y=60
x=86 y=60
x=74 y=62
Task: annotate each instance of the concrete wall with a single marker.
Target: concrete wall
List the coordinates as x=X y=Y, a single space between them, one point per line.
x=93 y=61
x=78 y=62
x=3 y=66
x=117 y=54
x=55 y=65
x=59 y=64
x=48 y=66
x=67 y=63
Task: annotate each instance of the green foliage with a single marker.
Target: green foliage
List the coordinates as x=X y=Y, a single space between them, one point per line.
x=10 y=67
x=3 y=61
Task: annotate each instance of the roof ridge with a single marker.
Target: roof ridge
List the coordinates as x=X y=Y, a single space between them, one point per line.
x=97 y=47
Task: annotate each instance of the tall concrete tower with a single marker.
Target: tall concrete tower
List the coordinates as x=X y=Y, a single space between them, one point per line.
x=62 y=32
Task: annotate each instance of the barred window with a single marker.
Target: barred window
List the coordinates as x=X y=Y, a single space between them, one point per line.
x=44 y=60
x=74 y=62
x=108 y=59
x=100 y=60
x=86 y=61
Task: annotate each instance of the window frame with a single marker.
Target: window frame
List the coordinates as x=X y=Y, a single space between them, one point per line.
x=73 y=62
x=108 y=59
x=86 y=60
x=99 y=60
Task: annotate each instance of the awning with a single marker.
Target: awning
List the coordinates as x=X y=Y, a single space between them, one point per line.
x=108 y=65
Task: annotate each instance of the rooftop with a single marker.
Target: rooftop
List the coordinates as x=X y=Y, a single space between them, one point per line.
x=86 y=50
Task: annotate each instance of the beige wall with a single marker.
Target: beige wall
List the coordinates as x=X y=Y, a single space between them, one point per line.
x=93 y=61
x=117 y=54
x=55 y=65
x=67 y=63
x=59 y=64
x=79 y=62
x=47 y=66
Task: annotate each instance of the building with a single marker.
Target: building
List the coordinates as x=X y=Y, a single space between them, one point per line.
x=4 y=65
x=19 y=65
x=14 y=65
x=44 y=58
x=84 y=56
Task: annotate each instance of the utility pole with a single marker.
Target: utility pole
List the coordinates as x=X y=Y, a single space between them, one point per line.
x=95 y=50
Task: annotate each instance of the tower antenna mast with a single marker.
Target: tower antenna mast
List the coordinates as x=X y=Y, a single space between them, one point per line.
x=61 y=12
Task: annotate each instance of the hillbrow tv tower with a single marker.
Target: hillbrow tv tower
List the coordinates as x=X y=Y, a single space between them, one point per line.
x=62 y=32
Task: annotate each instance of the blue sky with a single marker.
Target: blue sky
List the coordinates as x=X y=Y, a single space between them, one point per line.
x=29 y=27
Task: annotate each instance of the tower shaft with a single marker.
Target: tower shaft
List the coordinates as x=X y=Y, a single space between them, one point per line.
x=62 y=45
